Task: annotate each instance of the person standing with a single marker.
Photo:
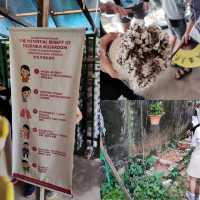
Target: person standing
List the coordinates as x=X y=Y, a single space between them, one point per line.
x=111 y=7
x=195 y=16
x=194 y=165
x=175 y=16
x=111 y=87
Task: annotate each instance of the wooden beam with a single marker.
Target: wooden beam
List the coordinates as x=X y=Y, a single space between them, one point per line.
x=43 y=13
x=11 y=17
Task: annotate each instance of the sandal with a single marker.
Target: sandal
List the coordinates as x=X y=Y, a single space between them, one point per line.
x=182 y=72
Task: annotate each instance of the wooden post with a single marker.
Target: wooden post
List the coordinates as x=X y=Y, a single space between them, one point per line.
x=43 y=13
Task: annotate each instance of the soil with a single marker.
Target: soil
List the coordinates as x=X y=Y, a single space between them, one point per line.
x=172 y=155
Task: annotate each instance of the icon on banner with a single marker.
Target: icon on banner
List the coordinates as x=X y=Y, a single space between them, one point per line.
x=25 y=150
x=25 y=166
x=25 y=113
x=25 y=132
x=25 y=73
x=26 y=93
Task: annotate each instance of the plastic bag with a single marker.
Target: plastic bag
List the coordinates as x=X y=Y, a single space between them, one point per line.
x=195 y=33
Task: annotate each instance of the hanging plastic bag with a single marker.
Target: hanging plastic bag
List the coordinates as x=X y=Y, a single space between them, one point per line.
x=195 y=33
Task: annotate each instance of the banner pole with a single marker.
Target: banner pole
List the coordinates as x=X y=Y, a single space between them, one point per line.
x=43 y=13
x=42 y=191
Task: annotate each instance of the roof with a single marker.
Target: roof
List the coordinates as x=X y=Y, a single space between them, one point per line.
x=64 y=13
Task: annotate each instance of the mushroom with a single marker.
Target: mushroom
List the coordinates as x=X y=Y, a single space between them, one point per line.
x=143 y=52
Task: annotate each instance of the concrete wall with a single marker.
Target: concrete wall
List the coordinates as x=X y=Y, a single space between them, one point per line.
x=117 y=140
x=128 y=132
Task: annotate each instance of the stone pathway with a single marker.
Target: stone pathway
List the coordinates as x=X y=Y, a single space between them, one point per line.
x=172 y=157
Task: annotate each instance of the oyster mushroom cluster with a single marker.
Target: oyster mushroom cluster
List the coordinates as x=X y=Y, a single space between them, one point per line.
x=143 y=53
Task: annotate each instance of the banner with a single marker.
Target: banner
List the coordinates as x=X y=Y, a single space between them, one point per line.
x=45 y=78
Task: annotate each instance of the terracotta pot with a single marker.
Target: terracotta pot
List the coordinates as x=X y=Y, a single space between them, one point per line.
x=183 y=146
x=155 y=119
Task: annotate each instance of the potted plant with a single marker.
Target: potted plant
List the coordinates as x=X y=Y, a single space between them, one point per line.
x=155 y=112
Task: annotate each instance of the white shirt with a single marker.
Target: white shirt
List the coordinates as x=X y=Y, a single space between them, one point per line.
x=196 y=136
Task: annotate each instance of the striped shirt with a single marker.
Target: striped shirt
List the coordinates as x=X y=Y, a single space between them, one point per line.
x=174 y=9
x=195 y=10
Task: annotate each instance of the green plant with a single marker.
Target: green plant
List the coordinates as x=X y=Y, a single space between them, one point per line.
x=172 y=144
x=145 y=187
x=156 y=108
x=150 y=188
x=177 y=191
x=136 y=170
x=150 y=161
x=111 y=192
x=174 y=174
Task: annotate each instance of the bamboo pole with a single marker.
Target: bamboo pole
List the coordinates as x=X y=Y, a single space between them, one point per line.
x=114 y=171
x=10 y=16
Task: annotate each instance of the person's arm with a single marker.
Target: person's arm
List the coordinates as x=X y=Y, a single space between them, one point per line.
x=105 y=7
x=190 y=24
x=188 y=30
x=111 y=8
x=105 y=41
x=78 y=115
x=146 y=5
x=105 y=62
